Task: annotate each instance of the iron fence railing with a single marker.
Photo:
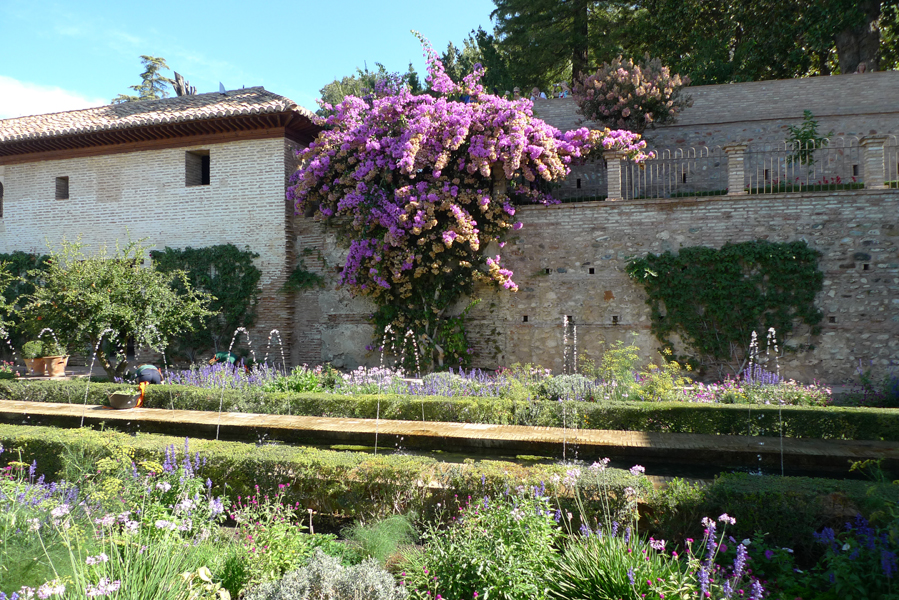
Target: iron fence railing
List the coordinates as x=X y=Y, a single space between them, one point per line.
x=804 y=165
x=891 y=161
x=675 y=173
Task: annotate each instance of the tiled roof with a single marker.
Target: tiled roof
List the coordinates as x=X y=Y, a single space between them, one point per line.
x=180 y=109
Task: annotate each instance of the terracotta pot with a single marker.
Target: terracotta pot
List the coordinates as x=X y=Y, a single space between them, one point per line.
x=36 y=366
x=56 y=365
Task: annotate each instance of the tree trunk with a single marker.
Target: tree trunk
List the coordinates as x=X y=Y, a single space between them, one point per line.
x=579 y=41
x=861 y=42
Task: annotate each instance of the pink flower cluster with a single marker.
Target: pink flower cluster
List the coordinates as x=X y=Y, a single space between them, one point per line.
x=630 y=95
x=421 y=184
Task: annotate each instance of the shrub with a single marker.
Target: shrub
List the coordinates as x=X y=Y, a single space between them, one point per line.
x=567 y=387
x=325 y=577
x=830 y=422
x=301 y=379
x=497 y=547
x=271 y=534
x=33 y=349
x=632 y=96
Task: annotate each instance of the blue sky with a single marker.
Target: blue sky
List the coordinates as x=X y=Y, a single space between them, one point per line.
x=57 y=56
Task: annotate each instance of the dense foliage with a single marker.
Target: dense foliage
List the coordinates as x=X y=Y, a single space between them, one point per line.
x=418 y=184
x=23 y=271
x=547 y=41
x=631 y=95
x=112 y=298
x=229 y=276
x=713 y=299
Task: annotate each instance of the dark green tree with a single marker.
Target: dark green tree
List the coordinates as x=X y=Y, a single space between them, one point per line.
x=80 y=297
x=153 y=85
x=481 y=48
x=753 y=40
x=366 y=82
x=548 y=41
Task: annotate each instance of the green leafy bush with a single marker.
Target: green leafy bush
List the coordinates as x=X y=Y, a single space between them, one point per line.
x=566 y=387
x=497 y=547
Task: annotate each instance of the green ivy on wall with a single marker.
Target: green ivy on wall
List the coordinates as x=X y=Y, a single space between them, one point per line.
x=713 y=299
x=19 y=265
x=227 y=273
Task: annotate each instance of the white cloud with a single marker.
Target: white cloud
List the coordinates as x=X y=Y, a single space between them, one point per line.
x=20 y=98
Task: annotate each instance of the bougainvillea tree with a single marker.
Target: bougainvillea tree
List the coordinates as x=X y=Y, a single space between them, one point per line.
x=421 y=184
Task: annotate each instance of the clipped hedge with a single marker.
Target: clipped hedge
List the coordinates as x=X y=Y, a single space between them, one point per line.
x=350 y=484
x=356 y=484
x=851 y=423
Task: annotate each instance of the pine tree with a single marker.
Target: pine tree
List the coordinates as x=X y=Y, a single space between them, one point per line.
x=153 y=85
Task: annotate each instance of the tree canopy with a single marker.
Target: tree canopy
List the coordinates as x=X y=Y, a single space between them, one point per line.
x=365 y=83
x=711 y=42
x=153 y=84
x=81 y=297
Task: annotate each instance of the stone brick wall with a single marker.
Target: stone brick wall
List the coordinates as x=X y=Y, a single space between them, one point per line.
x=569 y=261
x=143 y=195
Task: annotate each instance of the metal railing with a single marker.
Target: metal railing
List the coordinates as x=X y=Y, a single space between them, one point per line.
x=798 y=166
x=891 y=161
x=677 y=172
x=586 y=182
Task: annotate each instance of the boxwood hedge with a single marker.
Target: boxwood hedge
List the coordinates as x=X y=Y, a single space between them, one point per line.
x=357 y=484
x=850 y=423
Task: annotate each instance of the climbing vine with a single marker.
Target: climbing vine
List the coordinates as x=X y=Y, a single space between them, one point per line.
x=227 y=273
x=26 y=271
x=713 y=299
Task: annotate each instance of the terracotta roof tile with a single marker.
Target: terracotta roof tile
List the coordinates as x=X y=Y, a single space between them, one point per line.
x=244 y=102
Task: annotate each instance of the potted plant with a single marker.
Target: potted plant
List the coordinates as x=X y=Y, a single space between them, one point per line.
x=55 y=358
x=124 y=398
x=32 y=353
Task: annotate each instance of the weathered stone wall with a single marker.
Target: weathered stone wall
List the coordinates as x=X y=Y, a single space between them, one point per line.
x=856 y=231
x=754 y=113
x=143 y=195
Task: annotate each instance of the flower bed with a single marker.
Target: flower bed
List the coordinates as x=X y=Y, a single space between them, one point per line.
x=144 y=521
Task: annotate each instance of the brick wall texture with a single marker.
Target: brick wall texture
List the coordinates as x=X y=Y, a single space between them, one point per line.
x=144 y=195
x=857 y=233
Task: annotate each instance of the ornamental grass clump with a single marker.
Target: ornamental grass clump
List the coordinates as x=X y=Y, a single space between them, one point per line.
x=421 y=185
x=632 y=96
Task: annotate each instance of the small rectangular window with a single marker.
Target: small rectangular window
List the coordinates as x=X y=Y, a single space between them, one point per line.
x=196 y=168
x=62 y=188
